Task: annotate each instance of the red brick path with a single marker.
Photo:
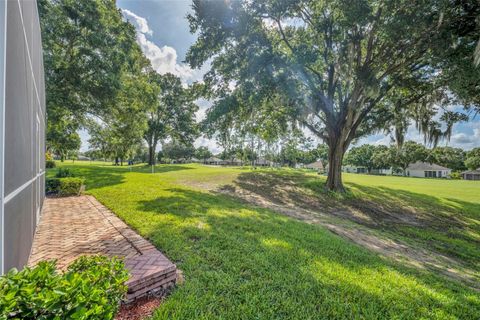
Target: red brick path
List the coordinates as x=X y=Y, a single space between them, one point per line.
x=74 y=226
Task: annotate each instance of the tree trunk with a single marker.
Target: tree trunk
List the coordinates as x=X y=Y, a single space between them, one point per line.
x=151 y=155
x=335 y=158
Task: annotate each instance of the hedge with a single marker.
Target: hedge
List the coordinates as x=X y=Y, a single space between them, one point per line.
x=64 y=173
x=64 y=186
x=49 y=164
x=70 y=186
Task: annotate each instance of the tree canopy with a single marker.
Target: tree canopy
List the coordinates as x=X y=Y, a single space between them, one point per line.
x=94 y=70
x=329 y=64
x=172 y=114
x=364 y=156
x=452 y=158
x=202 y=153
x=473 y=159
x=176 y=150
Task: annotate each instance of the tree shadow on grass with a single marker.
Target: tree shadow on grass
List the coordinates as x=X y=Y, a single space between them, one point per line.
x=423 y=229
x=241 y=261
x=380 y=205
x=97 y=177
x=158 y=168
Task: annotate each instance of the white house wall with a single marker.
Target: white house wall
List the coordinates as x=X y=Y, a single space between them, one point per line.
x=23 y=115
x=421 y=173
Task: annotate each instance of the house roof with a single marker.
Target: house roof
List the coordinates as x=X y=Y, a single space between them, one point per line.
x=315 y=165
x=213 y=159
x=419 y=165
x=472 y=171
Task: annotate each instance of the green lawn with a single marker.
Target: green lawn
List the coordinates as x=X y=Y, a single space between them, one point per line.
x=245 y=262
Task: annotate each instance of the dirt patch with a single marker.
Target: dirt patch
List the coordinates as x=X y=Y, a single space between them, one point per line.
x=289 y=190
x=138 y=310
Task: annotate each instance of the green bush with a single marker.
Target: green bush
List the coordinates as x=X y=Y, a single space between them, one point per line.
x=52 y=185
x=64 y=173
x=70 y=186
x=49 y=164
x=455 y=175
x=91 y=288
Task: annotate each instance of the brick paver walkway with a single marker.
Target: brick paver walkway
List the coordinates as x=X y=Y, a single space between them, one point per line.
x=74 y=226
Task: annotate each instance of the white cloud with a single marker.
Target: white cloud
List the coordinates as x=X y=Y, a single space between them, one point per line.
x=476 y=133
x=383 y=141
x=468 y=136
x=140 y=23
x=203 y=105
x=210 y=144
x=164 y=59
x=462 y=138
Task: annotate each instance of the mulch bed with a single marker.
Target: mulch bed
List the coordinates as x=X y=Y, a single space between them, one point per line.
x=140 y=309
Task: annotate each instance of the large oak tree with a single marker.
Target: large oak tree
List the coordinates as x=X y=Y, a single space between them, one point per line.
x=332 y=62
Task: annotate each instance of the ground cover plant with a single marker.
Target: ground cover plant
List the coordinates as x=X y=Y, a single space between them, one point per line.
x=247 y=260
x=91 y=288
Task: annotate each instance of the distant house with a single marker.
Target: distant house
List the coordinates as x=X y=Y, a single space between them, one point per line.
x=83 y=158
x=471 y=175
x=364 y=170
x=427 y=170
x=387 y=172
x=354 y=169
x=234 y=162
x=213 y=161
x=180 y=160
x=262 y=162
x=317 y=165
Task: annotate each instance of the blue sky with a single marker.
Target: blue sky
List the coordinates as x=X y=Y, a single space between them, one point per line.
x=164 y=36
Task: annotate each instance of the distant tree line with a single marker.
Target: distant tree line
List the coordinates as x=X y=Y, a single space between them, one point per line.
x=383 y=157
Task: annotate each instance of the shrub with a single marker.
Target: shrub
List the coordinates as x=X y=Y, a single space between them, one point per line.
x=91 y=288
x=52 y=185
x=64 y=173
x=49 y=164
x=455 y=175
x=64 y=186
x=48 y=156
x=70 y=186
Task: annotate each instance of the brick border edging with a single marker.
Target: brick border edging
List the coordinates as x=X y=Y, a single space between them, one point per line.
x=151 y=272
x=138 y=242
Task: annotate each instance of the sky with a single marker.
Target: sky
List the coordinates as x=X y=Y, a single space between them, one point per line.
x=164 y=36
